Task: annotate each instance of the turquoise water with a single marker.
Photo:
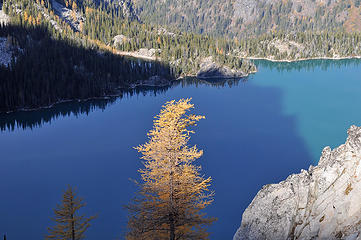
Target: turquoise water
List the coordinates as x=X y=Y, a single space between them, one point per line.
x=323 y=96
x=256 y=131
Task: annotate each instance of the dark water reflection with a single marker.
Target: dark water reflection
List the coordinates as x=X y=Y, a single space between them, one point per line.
x=310 y=65
x=36 y=118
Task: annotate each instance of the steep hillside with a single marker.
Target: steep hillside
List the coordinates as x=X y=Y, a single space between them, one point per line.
x=240 y=17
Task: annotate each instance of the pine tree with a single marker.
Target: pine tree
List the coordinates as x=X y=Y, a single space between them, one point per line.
x=173 y=193
x=70 y=226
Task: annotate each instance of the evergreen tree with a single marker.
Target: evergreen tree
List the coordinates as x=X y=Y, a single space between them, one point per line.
x=173 y=193
x=70 y=225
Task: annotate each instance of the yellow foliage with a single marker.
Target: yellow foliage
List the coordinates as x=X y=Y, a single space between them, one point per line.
x=38 y=19
x=159 y=41
x=26 y=16
x=30 y=20
x=73 y=15
x=221 y=51
x=173 y=192
x=74 y=6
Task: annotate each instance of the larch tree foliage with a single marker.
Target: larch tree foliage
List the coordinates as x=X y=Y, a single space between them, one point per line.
x=70 y=225
x=172 y=193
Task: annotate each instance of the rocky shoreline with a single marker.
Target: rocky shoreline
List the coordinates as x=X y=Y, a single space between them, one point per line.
x=323 y=202
x=209 y=69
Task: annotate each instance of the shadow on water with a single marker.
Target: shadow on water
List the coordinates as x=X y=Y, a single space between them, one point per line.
x=36 y=118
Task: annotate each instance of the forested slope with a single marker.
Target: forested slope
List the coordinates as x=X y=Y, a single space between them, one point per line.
x=243 y=17
x=51 y=70
x=52 y=63
x=64 y=52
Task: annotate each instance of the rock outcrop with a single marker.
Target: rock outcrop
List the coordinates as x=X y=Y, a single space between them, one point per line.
x=4 y=19
x=211 y=70
x=321 y=203
x=119 y=40
x=73 y=18
x=8 y=51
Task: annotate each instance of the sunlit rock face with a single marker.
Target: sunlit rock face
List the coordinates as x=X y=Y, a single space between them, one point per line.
x=209 y=69
x=321 y=203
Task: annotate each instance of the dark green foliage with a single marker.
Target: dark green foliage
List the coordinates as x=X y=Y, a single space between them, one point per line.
x=48 y=71
x=185 y=50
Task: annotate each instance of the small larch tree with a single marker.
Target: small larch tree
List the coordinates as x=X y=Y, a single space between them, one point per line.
x=172 y=193
x=69 y=224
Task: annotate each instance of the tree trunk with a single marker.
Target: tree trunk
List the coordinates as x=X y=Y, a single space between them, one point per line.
x=72 y=228
x=172 y=227
x=171 y=215
x=72 y=222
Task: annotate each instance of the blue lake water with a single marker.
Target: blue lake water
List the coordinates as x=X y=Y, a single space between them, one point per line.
x=256 y=132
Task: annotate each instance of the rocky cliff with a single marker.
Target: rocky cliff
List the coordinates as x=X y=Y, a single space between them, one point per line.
x=212 y=70
x=321 y=203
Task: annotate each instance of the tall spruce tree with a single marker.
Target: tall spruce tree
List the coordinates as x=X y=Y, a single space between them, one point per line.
x=70 y=226
x=172 y=193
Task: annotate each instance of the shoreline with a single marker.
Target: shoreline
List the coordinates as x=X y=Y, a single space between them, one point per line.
x=59 y=102
x=302 y=59
x=118 y=94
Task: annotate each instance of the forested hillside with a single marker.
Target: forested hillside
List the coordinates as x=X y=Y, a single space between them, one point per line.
x=80 y=49
x=64 y=52
x=52 y=63
x=243 y=17
x=50 y=70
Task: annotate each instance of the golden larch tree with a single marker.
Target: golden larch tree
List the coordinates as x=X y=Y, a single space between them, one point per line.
x=74 y=6
x=172 y=193
x=39 y=19
x=70 y=225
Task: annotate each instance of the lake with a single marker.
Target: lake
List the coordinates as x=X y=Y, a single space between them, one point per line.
x=257 y=131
